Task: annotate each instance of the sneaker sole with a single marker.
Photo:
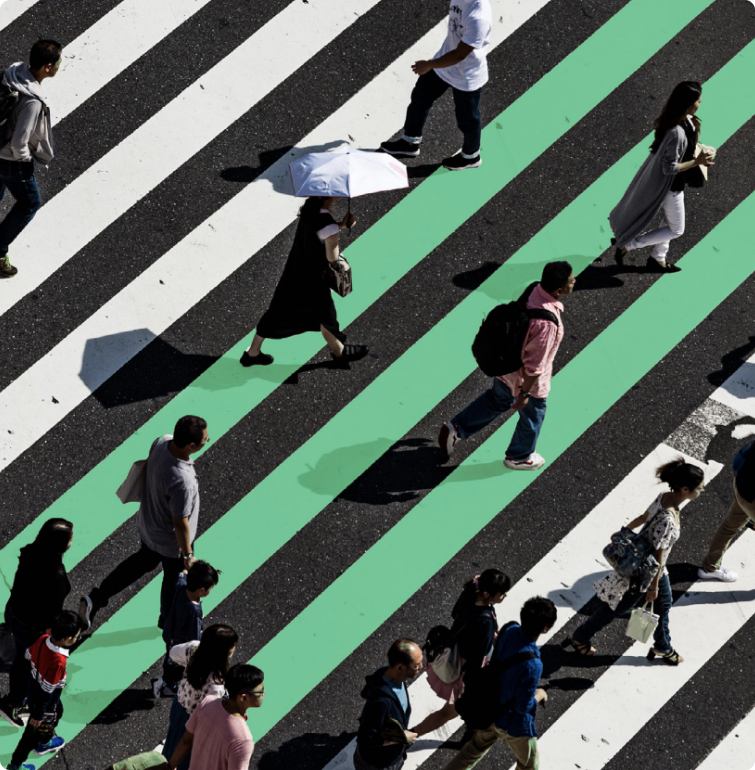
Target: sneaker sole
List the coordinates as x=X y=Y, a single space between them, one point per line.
x=400 y=154
x=463 y=168
x=86 y=616
x=524 y=467
x=446 y=441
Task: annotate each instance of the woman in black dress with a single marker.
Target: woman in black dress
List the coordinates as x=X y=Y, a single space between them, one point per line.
x=303 y=301
x=40 y=587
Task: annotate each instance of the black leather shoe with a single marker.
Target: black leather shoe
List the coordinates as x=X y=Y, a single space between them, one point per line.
x=350 y=353
x=618 y=255
x=654 y=266
x=261 y=359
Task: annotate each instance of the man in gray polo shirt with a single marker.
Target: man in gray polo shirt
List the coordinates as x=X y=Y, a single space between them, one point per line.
x=166 y=521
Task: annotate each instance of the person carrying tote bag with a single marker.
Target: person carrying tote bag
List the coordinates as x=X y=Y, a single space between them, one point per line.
x=659 y=184
x=473 y=631
x=619 y=594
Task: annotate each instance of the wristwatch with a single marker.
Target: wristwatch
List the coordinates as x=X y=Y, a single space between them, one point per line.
x=524 y=394
x=188 y=555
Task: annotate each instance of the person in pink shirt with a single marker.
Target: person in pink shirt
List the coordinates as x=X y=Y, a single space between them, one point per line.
x=216 y=734
x=523 y=391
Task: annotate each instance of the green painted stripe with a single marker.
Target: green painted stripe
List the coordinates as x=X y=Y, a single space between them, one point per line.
x=577 y=231
x=359 y=601
x=225 y=392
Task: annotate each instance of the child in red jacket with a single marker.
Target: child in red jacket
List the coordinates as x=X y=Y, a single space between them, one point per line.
x=47 y=658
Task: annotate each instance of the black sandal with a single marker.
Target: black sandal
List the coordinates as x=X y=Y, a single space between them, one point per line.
x=619 y=254
x=581 y=647
x=670 y=658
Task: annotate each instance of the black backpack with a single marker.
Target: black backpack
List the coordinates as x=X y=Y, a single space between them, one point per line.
x=497 y=347
x=8 y=103
x=480 y=705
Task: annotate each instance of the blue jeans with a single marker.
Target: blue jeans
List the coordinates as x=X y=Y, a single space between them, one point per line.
x=176 y=728
x=493 y=403
x=604 y=615
x=430 y=87
x=18 y=177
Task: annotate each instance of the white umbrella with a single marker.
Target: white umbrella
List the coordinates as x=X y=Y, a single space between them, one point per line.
x=346 y=173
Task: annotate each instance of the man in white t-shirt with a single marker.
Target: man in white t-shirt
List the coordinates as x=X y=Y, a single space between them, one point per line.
x=461 y=64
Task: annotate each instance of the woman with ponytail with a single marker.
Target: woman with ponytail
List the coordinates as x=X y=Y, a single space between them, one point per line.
x=40 y=587
x=303 y=302
x=474 y=630
x=662 y=523
x=659 y=184
x=206 y=663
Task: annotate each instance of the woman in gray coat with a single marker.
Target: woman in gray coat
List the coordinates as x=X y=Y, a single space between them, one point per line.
x=661 y=180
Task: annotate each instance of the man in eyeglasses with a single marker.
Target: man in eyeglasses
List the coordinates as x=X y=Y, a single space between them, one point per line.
x=387 y=703
x=217 y=735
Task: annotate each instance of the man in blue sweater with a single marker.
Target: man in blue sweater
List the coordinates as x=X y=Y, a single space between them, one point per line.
x=518 y=691
x=387 y=699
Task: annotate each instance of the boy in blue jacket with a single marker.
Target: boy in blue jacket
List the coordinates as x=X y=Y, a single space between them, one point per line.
x=518 y=691
x=47 y=658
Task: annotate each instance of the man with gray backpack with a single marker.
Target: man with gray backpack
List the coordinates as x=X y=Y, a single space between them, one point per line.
x=516 y=345
x=25 y=136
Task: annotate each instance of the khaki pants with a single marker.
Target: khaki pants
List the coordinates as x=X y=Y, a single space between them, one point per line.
x=525 y=750
x=736 y=518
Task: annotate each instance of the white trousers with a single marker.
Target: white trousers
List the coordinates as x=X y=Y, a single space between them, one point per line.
x=673 y=213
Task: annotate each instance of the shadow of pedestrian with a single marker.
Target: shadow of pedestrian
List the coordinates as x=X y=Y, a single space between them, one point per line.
x=310 y=750
x=732 y=361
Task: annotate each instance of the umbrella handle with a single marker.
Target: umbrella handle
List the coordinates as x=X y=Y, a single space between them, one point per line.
x=348 y=229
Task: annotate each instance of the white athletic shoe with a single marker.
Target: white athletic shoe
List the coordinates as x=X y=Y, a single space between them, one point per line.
x=533 y=463
x=448 y=437
x=722 y=574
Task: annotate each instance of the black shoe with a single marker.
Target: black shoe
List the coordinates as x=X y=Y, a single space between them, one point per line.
x=400 y=149
x=261 y=359
x=654 y=266
x=459 y=162
x=350 y=353
x=10 y=714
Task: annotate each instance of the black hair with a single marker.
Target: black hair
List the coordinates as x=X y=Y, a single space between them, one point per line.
x=44 y=52
x=555 y=276
x=491 y=581
x=50 y=544
x=311 y=206
x=201 y=575
x=678 y=474
x=243 y=678
x=210 y=660
x=537 y=613
x=683 y=96
x=189 y=430
x=66 y=623
x=400 y=653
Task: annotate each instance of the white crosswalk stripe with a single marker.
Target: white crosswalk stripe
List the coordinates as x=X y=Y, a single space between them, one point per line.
x=10 y=10
x=736 y=751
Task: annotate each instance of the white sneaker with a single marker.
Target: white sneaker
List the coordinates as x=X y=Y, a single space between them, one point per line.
x=157 y=687
x=722 y=574
x=533 y=463
x=448 y=437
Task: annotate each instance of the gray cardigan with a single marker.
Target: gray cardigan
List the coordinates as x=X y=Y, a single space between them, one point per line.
x=644 y=196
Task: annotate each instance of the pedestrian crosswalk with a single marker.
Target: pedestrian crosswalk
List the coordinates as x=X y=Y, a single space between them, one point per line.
x=254 y=517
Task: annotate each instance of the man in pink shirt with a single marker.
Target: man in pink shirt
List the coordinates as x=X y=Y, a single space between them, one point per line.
x=523 y=391
x=216 y=734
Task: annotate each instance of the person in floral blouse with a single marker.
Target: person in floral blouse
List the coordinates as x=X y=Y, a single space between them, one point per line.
x=661 y=523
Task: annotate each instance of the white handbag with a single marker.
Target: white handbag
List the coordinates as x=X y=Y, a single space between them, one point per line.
x=131 y=489
x=642 y=623
x=447 y=666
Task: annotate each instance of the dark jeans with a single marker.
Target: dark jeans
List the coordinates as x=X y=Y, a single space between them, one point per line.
x=24 y=637
x=430 y=87
x=31 y=738
x=362 y=764
x=176 y=728
x=18 y=177
x=604 y=615
x=493 y=403
x=137 y=566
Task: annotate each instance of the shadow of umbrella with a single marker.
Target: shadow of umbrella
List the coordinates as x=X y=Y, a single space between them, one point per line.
x=154 y=369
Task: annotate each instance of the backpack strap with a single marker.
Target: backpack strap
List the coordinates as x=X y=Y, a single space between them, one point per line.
x=543 y=315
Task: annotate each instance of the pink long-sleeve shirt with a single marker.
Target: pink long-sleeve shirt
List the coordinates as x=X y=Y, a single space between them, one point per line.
x=540 y=346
